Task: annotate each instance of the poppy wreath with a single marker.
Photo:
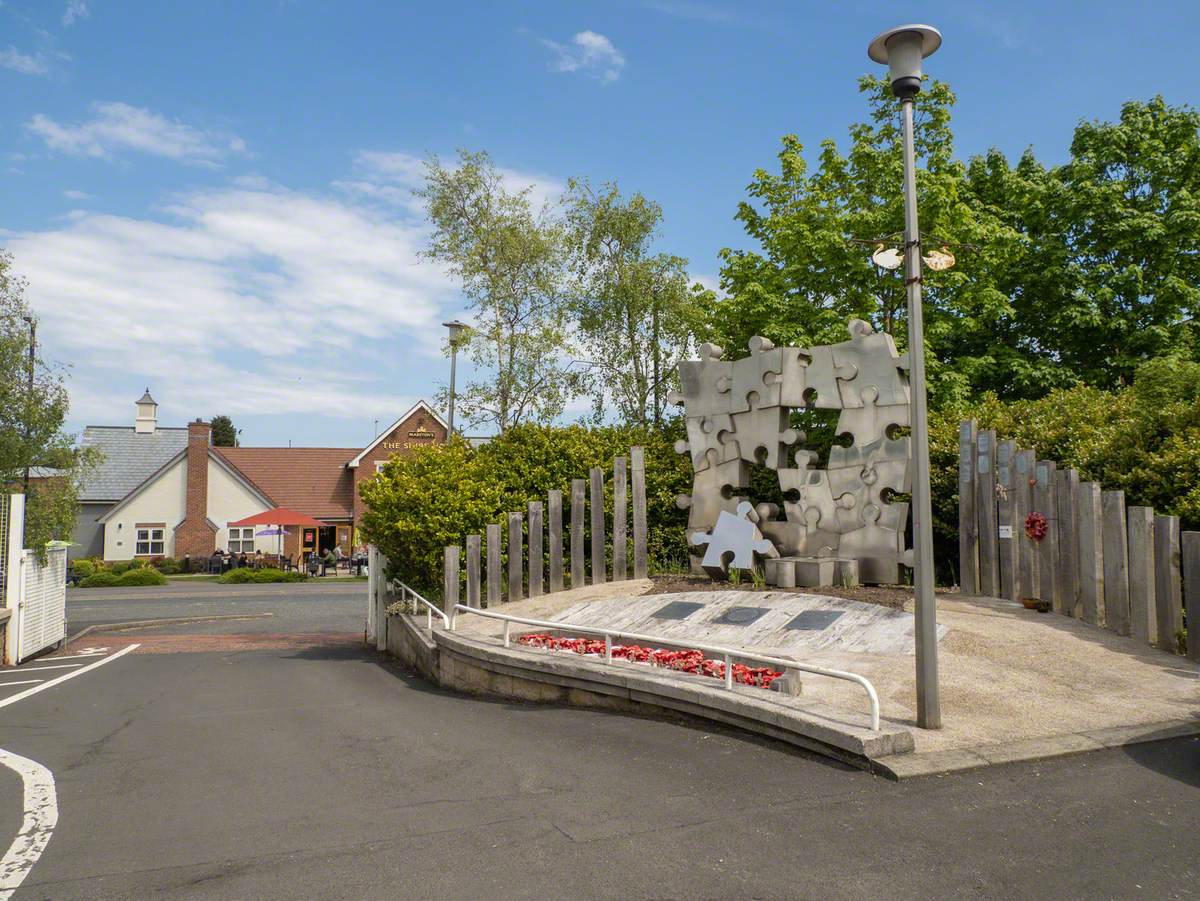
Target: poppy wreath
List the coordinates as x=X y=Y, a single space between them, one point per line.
x=685 y=661
x=1035 y=526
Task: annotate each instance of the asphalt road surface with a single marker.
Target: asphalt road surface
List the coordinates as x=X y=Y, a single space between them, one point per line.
x=277 y=757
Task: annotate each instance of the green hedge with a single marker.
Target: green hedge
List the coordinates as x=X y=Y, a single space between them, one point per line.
x=130 y=577
x=244 y=575
x=439 y=494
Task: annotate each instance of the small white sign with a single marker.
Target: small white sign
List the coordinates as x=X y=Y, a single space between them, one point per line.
x=1006 y=531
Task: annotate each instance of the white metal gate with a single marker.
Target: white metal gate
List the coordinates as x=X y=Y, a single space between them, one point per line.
x=41 y=614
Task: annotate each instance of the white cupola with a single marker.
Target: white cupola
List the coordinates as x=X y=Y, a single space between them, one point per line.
x=147 y=415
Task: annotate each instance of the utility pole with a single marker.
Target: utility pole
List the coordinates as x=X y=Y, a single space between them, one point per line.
x=902 y=49
x=29 y=397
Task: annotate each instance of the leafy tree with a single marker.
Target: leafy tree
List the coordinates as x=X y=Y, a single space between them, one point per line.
x=634 y=312
x=223 y=432
x=31 y=421
x=510 y=261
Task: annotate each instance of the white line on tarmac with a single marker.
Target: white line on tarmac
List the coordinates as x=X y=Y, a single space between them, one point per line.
x=41 y=816
x=91 y=655
x=22 y=682
x=12 y=699
x=38 y=669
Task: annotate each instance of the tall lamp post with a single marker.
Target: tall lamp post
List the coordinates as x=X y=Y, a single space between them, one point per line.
x=29 y=398
x=456 y=331
x=902 y=49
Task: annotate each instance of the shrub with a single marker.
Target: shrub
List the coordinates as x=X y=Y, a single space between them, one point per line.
x=245 y=575
x=101 y=579
x=168 y=566
x=82 y=568
x=145 y=575
x=120 y=567
x=439 y=494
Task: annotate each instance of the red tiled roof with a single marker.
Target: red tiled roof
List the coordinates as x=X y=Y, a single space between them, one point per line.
x=312 y=480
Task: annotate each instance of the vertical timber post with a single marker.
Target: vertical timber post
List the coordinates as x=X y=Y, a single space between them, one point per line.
x=599 y=544
x=516 y=558
x=1045 y=501
x=555 y=538
x=1116 y=562
x=536 y=560
x=1168 y=589
x=985 y=486
x=449 y=579
x=1190 y=546
x=578 y=576
x=620 y=514
x=1026 y=551
x=473 y=554
x=494 y=579
x=637 y=465
x=1142 y=623
x=1007 y=542
x=1065 y=489
x=1091 y=553
x=968 y=520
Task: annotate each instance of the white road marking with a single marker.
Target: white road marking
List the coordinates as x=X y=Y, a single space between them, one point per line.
x=41 y=816
x=38 y=669
x=22 y=682
x=87 y=655
x=21 y=695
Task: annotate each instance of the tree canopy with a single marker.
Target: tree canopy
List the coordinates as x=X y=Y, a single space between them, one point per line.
x=223 y=432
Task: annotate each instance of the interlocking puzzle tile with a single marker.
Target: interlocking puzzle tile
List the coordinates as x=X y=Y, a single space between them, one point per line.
x=733 y=542
x=714 y=488
x=823 y=376
x=705 y=383
x=873 y=357
x=871 y=422
x=762 y=435
x=709 y=440
x=751 y=388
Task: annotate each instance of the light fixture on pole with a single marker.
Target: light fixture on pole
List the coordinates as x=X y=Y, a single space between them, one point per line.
x=32 y=323
x=456 y=332
x=902 y=49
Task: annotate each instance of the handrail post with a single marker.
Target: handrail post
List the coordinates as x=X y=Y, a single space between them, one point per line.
x=729 y=672
x=607 y=648
x=507 y=624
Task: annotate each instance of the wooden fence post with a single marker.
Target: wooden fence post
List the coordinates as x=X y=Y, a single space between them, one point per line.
x=1027 y=553
x=985 y=488
x=1190 y=545
x=473 y=555
x=968 y=521
x=450 y=578
x=556 y=541
x=599 y=544
x=1091 y=553
x=536 y=560
x=578 y=576
x=1065 y=489
x=516 y=569
x=1142 y=623
x=1045 y=501
x=1005 y=502
x=1116 y=562
x=620 y=513
x=1168 y=590
x=637 y=464
x=494 y=581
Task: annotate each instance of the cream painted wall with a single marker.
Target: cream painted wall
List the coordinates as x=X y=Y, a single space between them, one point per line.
x=163 y=501
x=229 y=500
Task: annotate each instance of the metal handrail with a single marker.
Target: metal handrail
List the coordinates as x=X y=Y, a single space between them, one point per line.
x=727 y=653
x=430 y=608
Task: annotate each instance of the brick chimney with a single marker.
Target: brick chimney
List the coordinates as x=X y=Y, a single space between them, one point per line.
x=195 y=536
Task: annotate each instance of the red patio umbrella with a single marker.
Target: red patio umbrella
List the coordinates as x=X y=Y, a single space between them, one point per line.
x=279 y=516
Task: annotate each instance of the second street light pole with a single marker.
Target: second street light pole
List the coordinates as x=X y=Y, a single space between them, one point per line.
x=903 y=49
x=456 y=329
x=29 y=397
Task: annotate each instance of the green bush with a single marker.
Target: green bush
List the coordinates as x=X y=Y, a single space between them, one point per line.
x=82 y=568
x=101 y=579
x=142 y=576
x=168 y=566
x=120 y=567
x=439 y=494
x=244 y=575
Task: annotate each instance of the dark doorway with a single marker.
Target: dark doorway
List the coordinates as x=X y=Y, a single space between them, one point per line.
x=326 y=538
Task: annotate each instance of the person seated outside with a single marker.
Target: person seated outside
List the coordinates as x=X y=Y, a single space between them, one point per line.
x=215 y=561
x=327 y=560
x=258 y=559
x=339 y=557
x=242 y=560
x=314 y=565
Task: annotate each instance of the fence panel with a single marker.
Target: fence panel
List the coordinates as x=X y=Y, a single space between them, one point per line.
x=985 y=487
x=968 y=520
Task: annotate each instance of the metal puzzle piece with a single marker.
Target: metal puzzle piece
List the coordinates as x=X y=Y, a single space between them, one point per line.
x=733 y=542
x=873 y=356
x=762 y=434
x=751 y=389
x=709 y=440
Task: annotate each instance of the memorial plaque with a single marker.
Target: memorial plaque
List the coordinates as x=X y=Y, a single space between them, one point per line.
x=677 y=610
x=814 y=620
x=740 y=616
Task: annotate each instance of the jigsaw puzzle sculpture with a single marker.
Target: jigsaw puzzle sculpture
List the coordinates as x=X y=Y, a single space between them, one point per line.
x=839 y=522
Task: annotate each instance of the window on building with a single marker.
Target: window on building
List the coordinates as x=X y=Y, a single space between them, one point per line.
x=149 y=540
x=241 y=540
x=379 y=464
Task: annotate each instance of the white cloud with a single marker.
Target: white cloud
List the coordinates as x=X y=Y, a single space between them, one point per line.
x=250 y=298
x=116 y=126
x=392 y=177
x=76 y=10
x=23 y=62
x=72 y=194
x=590 y=53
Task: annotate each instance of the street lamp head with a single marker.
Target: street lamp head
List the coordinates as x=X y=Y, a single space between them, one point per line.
x=456 y=330
x=902 y=49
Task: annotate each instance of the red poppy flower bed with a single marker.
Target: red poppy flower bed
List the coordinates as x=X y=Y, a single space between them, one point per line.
x=684 y=661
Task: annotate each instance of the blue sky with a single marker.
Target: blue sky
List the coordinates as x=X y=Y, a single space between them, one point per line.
x=213 y=199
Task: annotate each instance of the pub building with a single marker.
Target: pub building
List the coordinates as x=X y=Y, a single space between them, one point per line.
x=168 y=492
